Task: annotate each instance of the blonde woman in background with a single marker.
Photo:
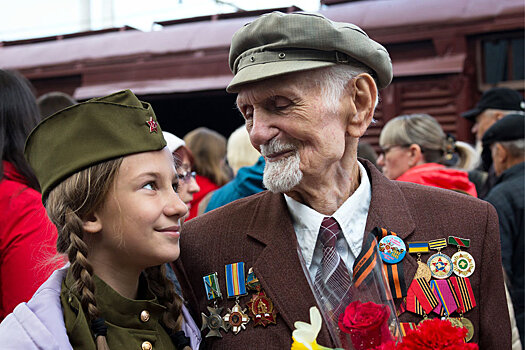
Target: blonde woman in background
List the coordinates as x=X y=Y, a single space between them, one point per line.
x=415 y=149
x=240 y=152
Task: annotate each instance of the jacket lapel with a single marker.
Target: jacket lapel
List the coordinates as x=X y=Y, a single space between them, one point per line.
x=289 y=288
x=389 y=210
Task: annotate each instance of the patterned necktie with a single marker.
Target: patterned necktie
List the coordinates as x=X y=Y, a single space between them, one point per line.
x=332 y=280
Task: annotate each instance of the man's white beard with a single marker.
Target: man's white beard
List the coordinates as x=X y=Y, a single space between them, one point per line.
x=284 y=174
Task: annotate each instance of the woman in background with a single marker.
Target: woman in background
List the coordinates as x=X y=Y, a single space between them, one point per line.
x=27 y=237
x=415 y=149
x=184 y=159
x=209 y=151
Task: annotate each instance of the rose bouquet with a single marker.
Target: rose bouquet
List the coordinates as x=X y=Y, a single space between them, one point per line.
x=433 y=334
x=368 y=318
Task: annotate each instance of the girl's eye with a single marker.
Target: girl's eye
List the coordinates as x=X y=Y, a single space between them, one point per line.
x=149 y=186
x=175 y=186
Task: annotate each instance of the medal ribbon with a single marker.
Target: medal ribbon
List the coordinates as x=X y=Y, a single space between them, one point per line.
x=235 y=282
x=211 y=286
x=421 y=293
x=363 y=266
x=437 y=244
x=366 y=261
x=418 y=247
x=464 y=293
x=458 y=241
x=446 y=305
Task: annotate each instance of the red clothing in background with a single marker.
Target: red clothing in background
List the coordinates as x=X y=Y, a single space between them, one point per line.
x=438 y=175
x=27 y=241
x=206 y=186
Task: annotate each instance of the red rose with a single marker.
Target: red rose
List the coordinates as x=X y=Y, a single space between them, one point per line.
x=367 y=324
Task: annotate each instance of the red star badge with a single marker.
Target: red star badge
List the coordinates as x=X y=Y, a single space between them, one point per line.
x=152 y=125
x=262 y=310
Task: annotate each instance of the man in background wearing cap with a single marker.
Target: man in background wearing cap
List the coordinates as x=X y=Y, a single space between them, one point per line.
x=493 y=105
x=307 y=88
x=504 y=143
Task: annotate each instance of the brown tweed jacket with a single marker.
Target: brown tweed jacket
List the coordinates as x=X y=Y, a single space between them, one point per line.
x=258 y=230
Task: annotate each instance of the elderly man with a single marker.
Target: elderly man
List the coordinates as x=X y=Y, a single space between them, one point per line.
x=307 y=88
x=493 y=105
x=505 y=144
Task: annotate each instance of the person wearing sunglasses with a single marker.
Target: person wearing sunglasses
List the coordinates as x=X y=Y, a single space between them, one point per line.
x=414 y=148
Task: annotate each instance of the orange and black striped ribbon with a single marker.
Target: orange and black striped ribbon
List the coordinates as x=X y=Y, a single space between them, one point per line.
x=421 y=293
x=366 y=261
x=413 y=305
x=464 y=292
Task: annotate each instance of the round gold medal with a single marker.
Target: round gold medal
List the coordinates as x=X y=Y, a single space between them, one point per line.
x=456 y=322
x=423 y=271
x=470 y=328
x=464 y=264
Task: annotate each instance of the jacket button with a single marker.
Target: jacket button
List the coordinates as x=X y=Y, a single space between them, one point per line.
x=144 y=316
x=147 y=346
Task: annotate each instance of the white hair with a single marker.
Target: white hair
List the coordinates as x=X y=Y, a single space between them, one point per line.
x=516 y=148
x=333 y=80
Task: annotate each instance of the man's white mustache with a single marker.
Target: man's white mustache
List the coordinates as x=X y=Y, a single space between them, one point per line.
x=275 y=146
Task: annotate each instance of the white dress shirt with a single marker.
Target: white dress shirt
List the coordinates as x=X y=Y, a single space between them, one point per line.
x=351 y=216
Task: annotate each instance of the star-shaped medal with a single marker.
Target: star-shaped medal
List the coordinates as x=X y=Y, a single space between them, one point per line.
x=214 y=322
x=261 y=309
x=152 y=125
x=237 y=318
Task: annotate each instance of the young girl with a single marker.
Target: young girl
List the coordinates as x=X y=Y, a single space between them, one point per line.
x=109 y=185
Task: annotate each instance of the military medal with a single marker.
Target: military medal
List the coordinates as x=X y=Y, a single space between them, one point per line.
x=214 y=321
x=456 y=322
x=439 y=264
x=236 y=287
x=237 y=318
x=467 y=302
x=463 y=262
x=252 y=283
x=446 y=303
x=420 y=298
x=470 y=328
x=261 y=309
x=422 y=269
x=392 y=249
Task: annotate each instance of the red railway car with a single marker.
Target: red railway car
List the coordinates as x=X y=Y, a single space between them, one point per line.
x=445 y=53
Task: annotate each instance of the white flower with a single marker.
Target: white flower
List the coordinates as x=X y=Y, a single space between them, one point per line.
x=306 y=333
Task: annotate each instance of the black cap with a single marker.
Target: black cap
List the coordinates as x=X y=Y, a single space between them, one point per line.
x=509 y=128
x=496 y=98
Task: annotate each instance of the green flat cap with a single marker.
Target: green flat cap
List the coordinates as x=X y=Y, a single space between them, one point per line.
x=278 y=43
x=88 y=133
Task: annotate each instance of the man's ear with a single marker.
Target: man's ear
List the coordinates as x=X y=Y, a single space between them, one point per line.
x=500 y=153
x=92 y=223
x=363 y=94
